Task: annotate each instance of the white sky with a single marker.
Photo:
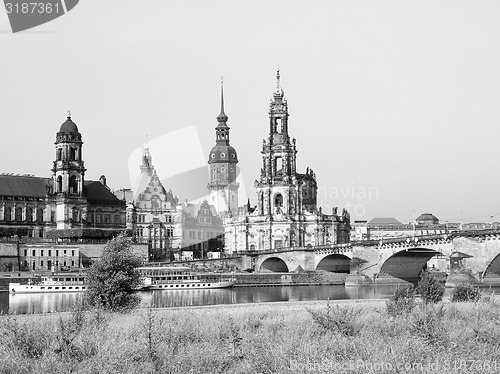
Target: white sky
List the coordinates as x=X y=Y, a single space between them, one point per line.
x=399 y=99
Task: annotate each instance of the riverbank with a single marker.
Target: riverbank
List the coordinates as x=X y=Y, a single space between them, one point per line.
x=285 y=337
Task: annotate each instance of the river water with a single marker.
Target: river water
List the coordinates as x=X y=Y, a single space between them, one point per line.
x=61 y=302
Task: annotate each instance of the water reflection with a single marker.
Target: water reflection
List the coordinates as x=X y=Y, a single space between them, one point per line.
x=47 y=303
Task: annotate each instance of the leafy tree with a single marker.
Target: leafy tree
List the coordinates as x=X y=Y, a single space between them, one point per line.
x=430 y=288
x=112 y=280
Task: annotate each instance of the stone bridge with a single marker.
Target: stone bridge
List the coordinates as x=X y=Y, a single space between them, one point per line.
x=472 y=252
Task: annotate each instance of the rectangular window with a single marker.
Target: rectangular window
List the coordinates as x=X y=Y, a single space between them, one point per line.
x=57 y=252
x=50 y=252
x=117 y=219
x=41 y=252
x=99 y=218
x=72 y=253
x=34 y=252
x=25 y=253
x=107 y=218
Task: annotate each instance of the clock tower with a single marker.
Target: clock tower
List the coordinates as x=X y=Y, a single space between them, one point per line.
x=222 y=161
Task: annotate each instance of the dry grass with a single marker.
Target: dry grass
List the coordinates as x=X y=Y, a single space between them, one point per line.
x=265 y=338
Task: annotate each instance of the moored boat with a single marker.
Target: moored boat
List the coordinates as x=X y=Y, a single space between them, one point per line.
x=51 y=283
x=178 y=278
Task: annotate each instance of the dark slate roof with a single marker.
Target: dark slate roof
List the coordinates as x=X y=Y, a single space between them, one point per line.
x=22 y=185
x=380 y=221
x=97 y=193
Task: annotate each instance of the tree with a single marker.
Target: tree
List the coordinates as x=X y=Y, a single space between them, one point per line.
x=430 y=288
x=112 y=280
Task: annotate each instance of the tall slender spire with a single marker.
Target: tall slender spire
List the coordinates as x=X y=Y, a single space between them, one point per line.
x=278 y=78
x=222 y=118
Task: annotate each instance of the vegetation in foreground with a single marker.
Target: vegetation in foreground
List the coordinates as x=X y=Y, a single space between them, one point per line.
x=342 y=336
x=112 y=279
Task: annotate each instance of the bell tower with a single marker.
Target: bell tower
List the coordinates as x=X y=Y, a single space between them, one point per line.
x=68 y=173
x=222 y=161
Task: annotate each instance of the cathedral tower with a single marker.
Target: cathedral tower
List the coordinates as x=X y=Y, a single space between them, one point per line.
x=282 y=192
x=222 y=160
x=68 y=173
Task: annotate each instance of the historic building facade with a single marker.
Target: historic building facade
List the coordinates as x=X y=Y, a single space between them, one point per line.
x=172 y=230
x=286 y=214
x=36 y=207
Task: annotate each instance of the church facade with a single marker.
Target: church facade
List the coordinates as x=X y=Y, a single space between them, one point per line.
x=286 y=214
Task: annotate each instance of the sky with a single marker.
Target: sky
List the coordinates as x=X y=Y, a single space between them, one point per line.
x=394 y=104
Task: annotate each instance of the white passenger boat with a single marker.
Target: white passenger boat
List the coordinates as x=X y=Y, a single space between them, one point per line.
x=178 y=278
x=51 y=283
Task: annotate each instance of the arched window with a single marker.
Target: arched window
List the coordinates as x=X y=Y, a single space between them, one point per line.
x=73 y=184
x=19 y=214
x=278 y=200
x=29 y=214
x=59 y=184
x=75 y=214
x=72 y=154
x=279 y=166
x=7 y=214
x=39 y=215
x=59 y=154
x=279 y=125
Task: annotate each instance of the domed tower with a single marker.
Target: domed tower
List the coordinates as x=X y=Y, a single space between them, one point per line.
x=68 y=173
x=222 y=160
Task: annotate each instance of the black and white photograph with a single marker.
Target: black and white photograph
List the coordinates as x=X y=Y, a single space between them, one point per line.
x=249 y=187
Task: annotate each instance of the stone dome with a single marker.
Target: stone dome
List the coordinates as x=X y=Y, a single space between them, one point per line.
x=223 y=153
x=427 y=218
x=69 y=127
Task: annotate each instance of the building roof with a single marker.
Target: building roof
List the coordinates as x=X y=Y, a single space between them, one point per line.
x=24 y=185
x=381 y=221
x=69 y=127
x=97 y=193
x=427 y=217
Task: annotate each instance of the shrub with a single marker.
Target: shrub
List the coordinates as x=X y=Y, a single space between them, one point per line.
x=402 y=301
x=430 y=288
x=112 y=280
x=342 y=319
x=467 y=292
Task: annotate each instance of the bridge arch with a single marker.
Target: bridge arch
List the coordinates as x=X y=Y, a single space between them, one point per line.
x=335 y=263
x=494 y=266
x=407 y=264
x=274 y=264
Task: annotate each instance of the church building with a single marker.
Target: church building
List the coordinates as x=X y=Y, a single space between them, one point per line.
x=286 y=214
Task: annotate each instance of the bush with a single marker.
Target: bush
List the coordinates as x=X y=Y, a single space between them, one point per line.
x=467 y=292
x=342 y=319
x=112 y=280
x=402 y=301
x=430 y=288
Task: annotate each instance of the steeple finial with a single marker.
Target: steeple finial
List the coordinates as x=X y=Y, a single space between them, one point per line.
x=69 y=114
x=278 y=78
x=222 y=116
x=222 y=95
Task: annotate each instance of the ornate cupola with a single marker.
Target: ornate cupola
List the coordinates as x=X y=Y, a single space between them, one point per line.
x=68 y=169
x=222 y=162
x=68 y=174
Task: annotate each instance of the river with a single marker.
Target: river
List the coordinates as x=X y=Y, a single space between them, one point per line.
x=61 y=302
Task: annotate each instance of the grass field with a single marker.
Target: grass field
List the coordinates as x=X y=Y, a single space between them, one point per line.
x=303 y=337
